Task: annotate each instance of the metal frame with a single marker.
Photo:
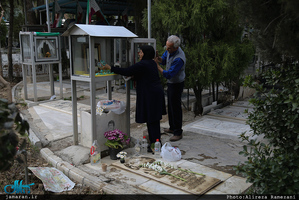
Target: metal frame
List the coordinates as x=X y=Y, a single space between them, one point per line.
x=92 y=82
x=140 y=40
x=83 y=30
x=32 y=62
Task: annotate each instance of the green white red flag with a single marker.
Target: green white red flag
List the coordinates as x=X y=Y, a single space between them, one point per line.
x=92 y=8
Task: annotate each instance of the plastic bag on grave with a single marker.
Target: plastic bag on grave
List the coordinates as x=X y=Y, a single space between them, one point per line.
x=121 y=109
x=170 y=153
x=104 y=106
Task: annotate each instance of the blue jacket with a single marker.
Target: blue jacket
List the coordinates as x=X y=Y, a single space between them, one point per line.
x=175 y=66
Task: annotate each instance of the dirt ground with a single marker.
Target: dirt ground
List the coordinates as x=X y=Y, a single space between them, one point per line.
x=34 y=159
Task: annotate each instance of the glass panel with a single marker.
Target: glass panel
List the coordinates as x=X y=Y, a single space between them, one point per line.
x=80 y=55
x=26 y=48
x=46 y=48
x=121 y=51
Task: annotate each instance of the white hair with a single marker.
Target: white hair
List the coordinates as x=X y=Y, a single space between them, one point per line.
x=175 y=40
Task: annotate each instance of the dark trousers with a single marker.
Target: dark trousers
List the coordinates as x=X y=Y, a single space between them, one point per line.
x=175 y=116
x=154 y=132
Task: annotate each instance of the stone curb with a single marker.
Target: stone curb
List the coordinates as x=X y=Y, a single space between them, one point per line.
x=77 y=174
x=14 y=91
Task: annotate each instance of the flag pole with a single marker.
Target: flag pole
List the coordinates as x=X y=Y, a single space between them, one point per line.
x=48 y=16
x=104 y=17
x=87 y=12
x=149 y=18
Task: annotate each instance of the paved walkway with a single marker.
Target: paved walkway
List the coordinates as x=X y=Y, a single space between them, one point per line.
x=210 y=145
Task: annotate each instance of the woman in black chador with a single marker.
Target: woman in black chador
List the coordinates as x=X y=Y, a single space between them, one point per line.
x=150 y=102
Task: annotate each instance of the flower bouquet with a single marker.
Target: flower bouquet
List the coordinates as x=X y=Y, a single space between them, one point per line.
x=122 y=156
x=116 y=139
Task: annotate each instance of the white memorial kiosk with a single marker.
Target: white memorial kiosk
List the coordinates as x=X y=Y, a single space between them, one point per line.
x=111 y=45
x=39 y=48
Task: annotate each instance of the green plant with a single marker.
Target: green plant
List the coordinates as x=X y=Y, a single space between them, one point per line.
x=67 y=99
x=272 y=164
x=211 y=39
x=116 y=139
x=11 y=123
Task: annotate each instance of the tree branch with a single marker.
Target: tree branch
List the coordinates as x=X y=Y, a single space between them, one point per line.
x=271 y=23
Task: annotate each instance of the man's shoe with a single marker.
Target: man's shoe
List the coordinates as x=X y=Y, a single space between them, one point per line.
x=168 y=130
x=176 y=138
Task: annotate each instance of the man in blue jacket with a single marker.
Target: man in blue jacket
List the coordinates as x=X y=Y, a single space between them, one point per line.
x=175 y=61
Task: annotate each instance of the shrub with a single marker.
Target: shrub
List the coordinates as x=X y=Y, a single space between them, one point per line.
x=272 y=164
x=11 y=123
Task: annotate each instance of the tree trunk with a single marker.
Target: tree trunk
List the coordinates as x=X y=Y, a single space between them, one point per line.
x=198 y=105
x=236 y=89
x=7 y=84
x=1 y=69
x=213 y=90
x=10 y=40
x=217 y=89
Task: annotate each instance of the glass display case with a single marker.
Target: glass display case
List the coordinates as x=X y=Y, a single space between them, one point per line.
x=111 y=45
x=40 y=48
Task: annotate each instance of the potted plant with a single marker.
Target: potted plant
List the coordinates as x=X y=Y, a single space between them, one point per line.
x=115 y=141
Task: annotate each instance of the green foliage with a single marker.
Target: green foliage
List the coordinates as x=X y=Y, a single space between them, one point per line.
x=272 y=164
x=199 y=62
x=10 y=124
x=276 y=25
x=211 y=40
x=113 y=144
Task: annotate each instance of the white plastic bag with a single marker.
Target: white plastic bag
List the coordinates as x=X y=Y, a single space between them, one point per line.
x=170 y=153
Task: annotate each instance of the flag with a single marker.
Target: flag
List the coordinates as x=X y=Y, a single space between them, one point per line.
x=79 y=13
x=58 y=20
x=57 y=15
x=92 y=8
